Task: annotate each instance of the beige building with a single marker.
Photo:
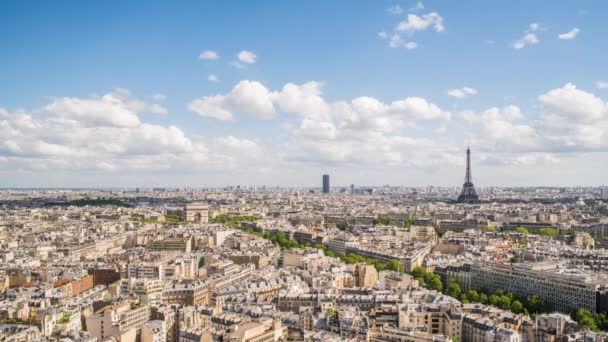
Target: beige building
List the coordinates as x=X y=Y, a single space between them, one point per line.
x=186 y=293
x=365 y=275
x=154 y=331
x=171 y=244
x=258 y=332
x=122 y=321
x=396 y=280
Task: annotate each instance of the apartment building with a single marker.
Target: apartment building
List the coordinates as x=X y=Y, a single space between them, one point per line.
x=186 y=293
x=121 y=321
x=565 y=289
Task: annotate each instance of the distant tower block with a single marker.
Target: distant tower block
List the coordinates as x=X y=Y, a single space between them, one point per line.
x=197 y=212
x=325 y=184
x=468 y=194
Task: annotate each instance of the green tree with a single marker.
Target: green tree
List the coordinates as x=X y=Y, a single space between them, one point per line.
x=434 y=282
x=535 y=304
x=552 y=232
x=453 y=288
x=394 y=265
x=473 y=296
x=517 y=306
x=483 y=298
x=586 y=318
x=522 y=230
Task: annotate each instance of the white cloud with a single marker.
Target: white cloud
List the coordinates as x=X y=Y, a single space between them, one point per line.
x=212 y=107
x=462 y=92
x=570 y=120
x=387 y=138
x=105 y=111
x=209 y=55
x=382 y=35
x=395 y=41
x=3 y=112
x=418 y=7
x=573 y=119
x=420 y=23
x=304 y=100
x=601 y=84
x=213 y=78
x=395 y=9
x=246 y=97
x=247 y=57
x=569 y=35
x=69 y=139
x=411 y=45
x=535 y=27
x=528 y=39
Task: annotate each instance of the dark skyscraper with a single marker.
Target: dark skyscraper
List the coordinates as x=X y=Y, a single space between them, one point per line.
x=325 y=184
x=468 y=194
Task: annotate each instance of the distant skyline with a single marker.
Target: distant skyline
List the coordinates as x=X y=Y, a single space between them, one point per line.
x=206 y=93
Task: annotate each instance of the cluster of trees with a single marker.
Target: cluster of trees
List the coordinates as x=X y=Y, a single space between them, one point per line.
x=393 y=265
x=593 y=321
x=14 y=320
x=552 y=232
x=342 y=225
x=325 y=250
x=176 y=218
x=383 y=221
x=169 y=218
x=234 y=218
x=488 y=229
x=427 y=279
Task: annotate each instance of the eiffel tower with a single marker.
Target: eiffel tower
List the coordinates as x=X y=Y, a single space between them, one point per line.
x=468 y=194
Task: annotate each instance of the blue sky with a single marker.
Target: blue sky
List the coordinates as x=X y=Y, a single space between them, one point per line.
x=524 y=98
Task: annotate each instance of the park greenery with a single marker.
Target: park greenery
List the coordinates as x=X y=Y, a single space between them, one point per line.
x=174 y=218
x=552 y=232
x=427 y=279
x=593 y=321
x=169 y=218
x=234 y=221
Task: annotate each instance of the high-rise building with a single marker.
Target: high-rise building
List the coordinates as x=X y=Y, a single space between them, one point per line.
x=604 y=193
x=325 y=184
x=468 y=194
